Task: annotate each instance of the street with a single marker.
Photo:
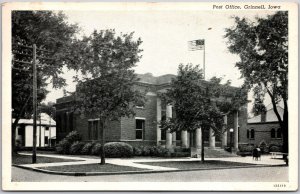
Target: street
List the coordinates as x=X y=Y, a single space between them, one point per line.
x=260 y=174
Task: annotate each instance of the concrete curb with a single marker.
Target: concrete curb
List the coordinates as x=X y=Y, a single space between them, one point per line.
x=137 y=172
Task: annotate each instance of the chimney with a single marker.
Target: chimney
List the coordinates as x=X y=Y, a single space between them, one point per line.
x=263 y=116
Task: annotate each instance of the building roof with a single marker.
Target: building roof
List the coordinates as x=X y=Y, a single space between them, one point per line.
x=149 y=78
x=270 y=115
x=45 y=120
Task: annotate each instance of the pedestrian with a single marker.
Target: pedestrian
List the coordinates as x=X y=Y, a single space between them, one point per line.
x=256 y=153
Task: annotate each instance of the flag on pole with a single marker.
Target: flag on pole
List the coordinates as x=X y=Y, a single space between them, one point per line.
x=196 y=45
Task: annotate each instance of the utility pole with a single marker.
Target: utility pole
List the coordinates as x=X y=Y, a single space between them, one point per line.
x=34 y=92
x=34 y=104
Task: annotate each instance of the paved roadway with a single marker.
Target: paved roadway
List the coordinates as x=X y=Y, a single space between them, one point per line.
x=261 y=174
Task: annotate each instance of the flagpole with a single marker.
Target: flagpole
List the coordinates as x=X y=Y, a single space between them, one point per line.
x=204 y=60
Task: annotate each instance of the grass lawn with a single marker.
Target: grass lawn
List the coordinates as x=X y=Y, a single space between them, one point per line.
x=24 y=159
x=196 y=164
x=92 y=168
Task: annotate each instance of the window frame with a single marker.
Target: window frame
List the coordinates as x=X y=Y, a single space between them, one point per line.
x=277 y=132
x=252 y=134
x=273 y=133
x=93 y=129
x=143 y=128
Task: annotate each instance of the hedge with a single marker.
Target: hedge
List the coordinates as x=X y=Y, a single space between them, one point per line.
x=157 y=151
x=118 y=149
x=76 y=147
x=87 y=148
x=64 y=145
x=96 y=149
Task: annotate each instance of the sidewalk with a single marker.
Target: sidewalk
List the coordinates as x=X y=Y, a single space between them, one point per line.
x=136 y=163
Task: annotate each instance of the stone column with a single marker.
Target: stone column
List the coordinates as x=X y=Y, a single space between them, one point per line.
x=188 y=139
x=198 y=138
x=224 y=135
x=168 y=134
x=184 y=139
x=174 y=139
x=212 y=140
x=236 y=131
x=158 y=119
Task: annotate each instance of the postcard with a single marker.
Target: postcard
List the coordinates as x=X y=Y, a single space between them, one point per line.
x=181 y=96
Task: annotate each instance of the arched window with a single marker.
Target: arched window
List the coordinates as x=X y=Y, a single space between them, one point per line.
x=252 y=134
x=279 y=133
x=272 y=133
x=248 y=133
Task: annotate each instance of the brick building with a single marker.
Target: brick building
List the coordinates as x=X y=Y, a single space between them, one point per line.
x=144 y=128
x=264 y=128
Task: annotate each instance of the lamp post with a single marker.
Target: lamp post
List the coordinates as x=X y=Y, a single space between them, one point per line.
x=231 y=134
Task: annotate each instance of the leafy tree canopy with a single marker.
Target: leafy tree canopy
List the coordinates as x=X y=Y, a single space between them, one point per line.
x=49 y=31
x=263 y=49
x=107 y=89
x=199 y=103
x=262 y=46
x=54 y=38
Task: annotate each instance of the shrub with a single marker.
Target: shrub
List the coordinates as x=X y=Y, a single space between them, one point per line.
x=73 y=136
x=157 y=151
x=153 y=151
x=146 y=151
x=87 y=148
x=76 y=147
x=137 y=151
x=163 y=152
x=96 y=149
x=246 y=147
x=275 y=148
x=63 y=147
x=118 y=149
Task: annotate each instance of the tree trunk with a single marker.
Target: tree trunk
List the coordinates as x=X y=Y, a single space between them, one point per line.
x=285 y=129
x=283 y=122
x=14 y=127
x=202 y=144
x=102 y=153
x=13 y=136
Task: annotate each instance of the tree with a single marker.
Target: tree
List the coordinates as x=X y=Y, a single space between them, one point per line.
x=107 y=90
x=263 y=49
x=198 y=103
x=49 y=31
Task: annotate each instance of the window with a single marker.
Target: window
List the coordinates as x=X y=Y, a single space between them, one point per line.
x=178 y=135
x=279 y=133
x=64 y=121
x=139 y=128
x=71 y=121
x=272 y=133
x=252 y=134
x=163 y=134
x=93 y=127
x=248 y=133
x=47 y=128
x=46 y=140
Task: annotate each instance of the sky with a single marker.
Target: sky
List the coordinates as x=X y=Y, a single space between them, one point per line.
x=165 y=36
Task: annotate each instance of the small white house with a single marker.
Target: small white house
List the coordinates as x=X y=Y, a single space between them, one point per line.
x=45 y=131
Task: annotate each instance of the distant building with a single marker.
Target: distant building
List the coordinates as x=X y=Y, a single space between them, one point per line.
x=46 y=132
x=143 y=129
x=265 y=128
